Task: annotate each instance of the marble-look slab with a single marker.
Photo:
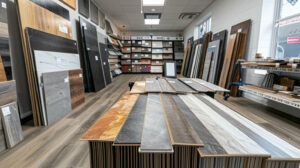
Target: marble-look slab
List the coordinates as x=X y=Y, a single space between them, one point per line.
x=131 y=132
x=195 y=85
x=7 y=92
x=207 y=65
x=46 y=61
x=152 y=86
x=165 y=87
x=155 y=137
x=57 y=95
x=11 y=124
x=179 y=87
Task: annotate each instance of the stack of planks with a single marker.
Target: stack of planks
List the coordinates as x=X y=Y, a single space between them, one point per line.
x=235 y=50
x=191 y=131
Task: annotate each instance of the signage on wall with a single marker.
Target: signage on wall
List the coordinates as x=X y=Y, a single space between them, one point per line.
x=292 y=40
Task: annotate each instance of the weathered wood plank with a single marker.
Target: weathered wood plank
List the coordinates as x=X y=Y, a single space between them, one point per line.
x=165 y=87
x=152 y=85
x=138 y=87
x=76 y=88
x=7 y=92
x=179 y=87
x=196 y=86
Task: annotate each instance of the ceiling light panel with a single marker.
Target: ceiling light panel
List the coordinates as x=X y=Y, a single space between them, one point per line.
x=153 y=2
x=152 y=21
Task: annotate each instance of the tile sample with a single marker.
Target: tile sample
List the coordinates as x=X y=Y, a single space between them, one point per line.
x=57 y=95
x=84 y=7
x=53 y=7
x=155 y=137
x=11 y=124
x=156 y=69
x=131 y=132
x=207 y=66
x=146 y=68
x=152 y=85
x=126 y=68
x=76 y=88
x=179 y=87
x=7 y=92
x=94 y=13
x=157 y=56
x=214 y=47
x=157 y=44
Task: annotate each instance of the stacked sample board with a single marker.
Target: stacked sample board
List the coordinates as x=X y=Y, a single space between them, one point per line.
x=182 y=130
x=146 y=54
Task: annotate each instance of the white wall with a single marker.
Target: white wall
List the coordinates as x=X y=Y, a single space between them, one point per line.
x=74 y=15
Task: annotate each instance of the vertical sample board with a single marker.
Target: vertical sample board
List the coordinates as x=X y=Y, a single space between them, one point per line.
x=207 y=66
x=30 y=16
x=49 y=53
x=94 y=13
x=222 y=36
x=84 y=7
x=70 y=3
x=2 y=138
x=7 y=92
x=206 y=40
x=57 y=95
x=213 y=48
x=101 y=19
x=76 y=88
x=105 y=64
x=11 y=124
x=53 y=7
x=93 y=64
x=2 y=72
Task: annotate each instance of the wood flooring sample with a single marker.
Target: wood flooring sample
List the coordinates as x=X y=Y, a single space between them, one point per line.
x=11 y=124
x=2 y=72
x=70 y=3
x=76 y=88
x=8 y=92
x=2 y=137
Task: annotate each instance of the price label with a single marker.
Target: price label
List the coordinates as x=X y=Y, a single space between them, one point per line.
x=277 y=65
x=6 y=111
x=66 y=80
x=96 y=58
x=240 y=30
x=3 y=4
x=63 y=29
x=80 y=75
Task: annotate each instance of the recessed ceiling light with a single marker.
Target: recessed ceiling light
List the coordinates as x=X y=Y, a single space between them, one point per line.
x=153 y=2
x=152 y=21
x=153 y=10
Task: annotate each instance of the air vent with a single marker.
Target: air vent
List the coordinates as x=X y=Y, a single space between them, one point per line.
x=188 y=15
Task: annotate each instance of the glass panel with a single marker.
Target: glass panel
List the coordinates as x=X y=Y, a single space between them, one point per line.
x=289 y=8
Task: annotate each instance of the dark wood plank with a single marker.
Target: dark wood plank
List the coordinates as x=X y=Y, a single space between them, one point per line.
x=11 y=124
x=76 y=88
x=155 y=136
x=131 y=132
x=179 y=87
x=53 y=7
x=214 y=47
x=84 y=7
x=152 y=85
x=195 y=85
x=57 y=95
x=181 y=131
x=206 y=40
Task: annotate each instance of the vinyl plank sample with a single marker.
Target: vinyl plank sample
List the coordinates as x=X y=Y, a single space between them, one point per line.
x=109 y=125
x=155 y=137
x=207 y=66
x=92 y=56
x=182 y=132
x=7 y=92
x=76 y=88
x=204 y=42
x=57 y=95
x=222 y=36
x=70 y=3
x=2 y=72
x=3 y=30
x=138 y=87
x=131 y=132
x=11 y=124
x=194 y=85
x=165 y=87
x=214 y=47
x=210 y=86
x=84 y=7
x=179 y=87
x=152 y=86
x=94 y=13
x=3 y=11
x=53 y=7
x=2 y=138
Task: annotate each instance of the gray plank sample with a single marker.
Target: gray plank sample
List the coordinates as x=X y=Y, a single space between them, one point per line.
x=207 y=65
x=56 y=95
x=2 y=138
x=131 y=132
x=165 y=87
x=155 y=138
x=214 y=47
x=179 y=87
x=152 y=85
x=7 y=92
x=11 y=124
x=209 y=85
x=195 y=85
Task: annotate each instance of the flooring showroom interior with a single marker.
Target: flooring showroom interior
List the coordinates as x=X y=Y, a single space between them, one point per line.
x=149 y=84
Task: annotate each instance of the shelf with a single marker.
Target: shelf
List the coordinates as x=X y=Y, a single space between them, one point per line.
x=271 y=96
x=275 y=69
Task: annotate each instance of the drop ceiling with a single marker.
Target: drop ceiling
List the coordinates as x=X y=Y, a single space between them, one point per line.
x=128 y=13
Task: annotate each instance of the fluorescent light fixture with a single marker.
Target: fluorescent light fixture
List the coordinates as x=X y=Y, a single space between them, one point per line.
x=153 y=2
x=152 y=21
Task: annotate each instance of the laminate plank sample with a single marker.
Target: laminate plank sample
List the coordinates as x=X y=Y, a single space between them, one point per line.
x=57 y=95
x=222 y=36
x=94 y=13
x=233 y=140
x=214 y=47
x=2 y=72
x=3 y=11
x=11 y=124
x=210 y=86
x=76 y=88
x=194 y=85
x=187 y=60
x=192 y=60
x=182 y=133
x=275 y=146
x=186 y=51
x=3 y=30
x=109 y=125
x=206 y=39
x=84 y=7
x=131 y=132
x=2 y=138
x=155 y=137
x=179 y=87
x=94 y=72
x=152 y=86
x=165 y=87
x=207 y=65
x=7 y=92
x=105 y=64
x=70 y=3
x=138 y=87
x=53 y=7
